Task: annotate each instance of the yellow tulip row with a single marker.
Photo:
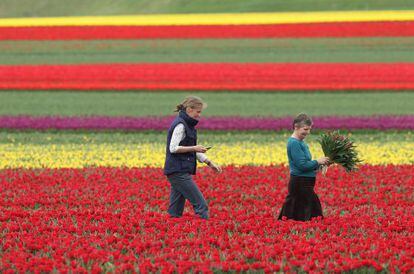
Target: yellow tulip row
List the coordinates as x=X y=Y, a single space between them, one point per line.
x=214 y=19
x=152 y=155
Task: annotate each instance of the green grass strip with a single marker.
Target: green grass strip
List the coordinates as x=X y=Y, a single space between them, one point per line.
x=66 y=103
x=44 y=8
x=327 y=50
x=205 y=137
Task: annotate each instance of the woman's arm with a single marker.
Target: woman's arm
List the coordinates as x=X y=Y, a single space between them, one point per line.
x=211 y=164
x=299 y=159
x=177 y=136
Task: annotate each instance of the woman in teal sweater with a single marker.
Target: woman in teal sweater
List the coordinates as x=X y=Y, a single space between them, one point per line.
x=302 y=203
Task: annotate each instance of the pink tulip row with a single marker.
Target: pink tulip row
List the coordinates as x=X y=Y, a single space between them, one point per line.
x=405 y=122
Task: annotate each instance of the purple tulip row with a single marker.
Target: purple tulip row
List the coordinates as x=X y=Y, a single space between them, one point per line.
x=207 y=123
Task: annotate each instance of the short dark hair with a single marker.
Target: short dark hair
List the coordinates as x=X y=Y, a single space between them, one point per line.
x=302 y=119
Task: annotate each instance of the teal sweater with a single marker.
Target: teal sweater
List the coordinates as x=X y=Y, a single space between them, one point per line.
x=300 y=159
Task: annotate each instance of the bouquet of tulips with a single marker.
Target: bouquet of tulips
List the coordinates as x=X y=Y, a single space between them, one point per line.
x=340 y=150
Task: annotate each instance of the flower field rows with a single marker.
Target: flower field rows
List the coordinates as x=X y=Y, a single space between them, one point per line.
x=275 y=106
x=81 y=177
x=153 y=154
x=224 y=76
x=216 y=19
x=340 y=29
x=95 y=219
x=235 y=75
x=401 y=122
x=273 y=50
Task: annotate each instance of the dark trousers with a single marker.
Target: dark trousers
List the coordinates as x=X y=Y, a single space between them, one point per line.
x=183 y=187
x=301 y=203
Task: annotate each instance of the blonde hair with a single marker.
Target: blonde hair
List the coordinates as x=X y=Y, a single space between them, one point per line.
x=302 y=119
x=191 y=102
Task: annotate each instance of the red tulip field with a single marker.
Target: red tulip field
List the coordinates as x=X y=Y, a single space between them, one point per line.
x=113 y=218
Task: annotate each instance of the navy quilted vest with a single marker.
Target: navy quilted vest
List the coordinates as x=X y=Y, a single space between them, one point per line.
x=182 y=162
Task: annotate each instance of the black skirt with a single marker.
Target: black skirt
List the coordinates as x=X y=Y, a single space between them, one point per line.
x=301 y=203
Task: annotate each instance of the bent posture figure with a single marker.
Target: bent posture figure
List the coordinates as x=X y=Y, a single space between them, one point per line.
x=301 y=203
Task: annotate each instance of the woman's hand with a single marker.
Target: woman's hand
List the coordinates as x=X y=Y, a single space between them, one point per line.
x=323 y=160
x=199 y=148
x=214 y=167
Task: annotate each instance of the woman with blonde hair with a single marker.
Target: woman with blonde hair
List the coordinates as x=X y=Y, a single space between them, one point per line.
x=301 y=203
x=180 y=161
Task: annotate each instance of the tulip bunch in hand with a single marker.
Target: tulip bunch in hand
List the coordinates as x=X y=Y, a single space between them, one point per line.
x=340 y=150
